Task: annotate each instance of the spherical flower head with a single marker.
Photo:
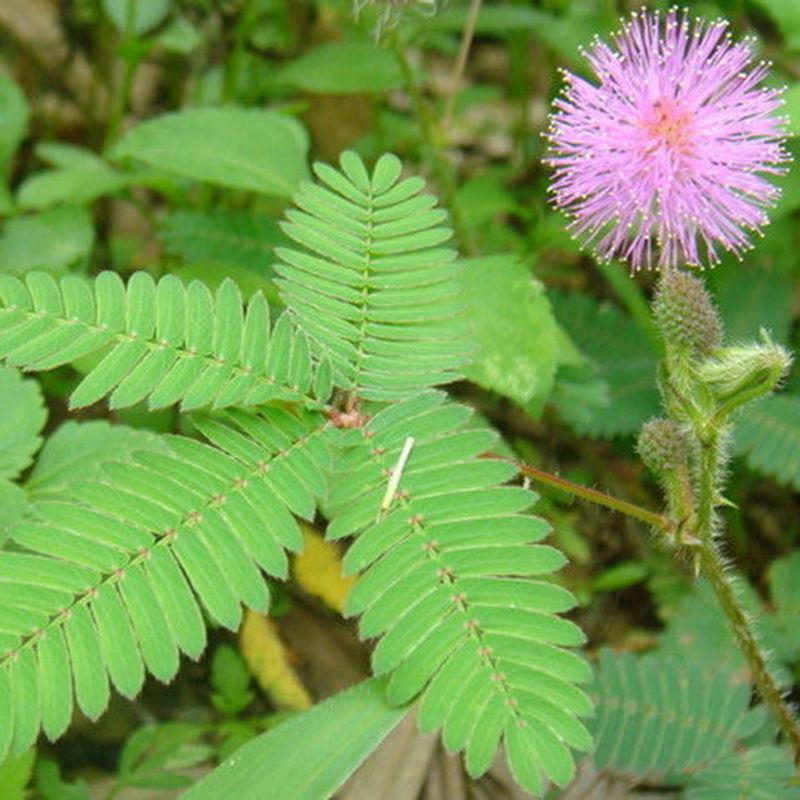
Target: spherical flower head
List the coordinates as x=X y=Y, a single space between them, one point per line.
x=662 y=160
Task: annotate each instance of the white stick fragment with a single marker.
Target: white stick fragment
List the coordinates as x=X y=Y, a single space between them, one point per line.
x=394 y=478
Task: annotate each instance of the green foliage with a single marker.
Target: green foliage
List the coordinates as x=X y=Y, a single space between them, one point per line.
x=161 y=341
x=784 y=624
x=78 y=448
x=620 y=357
x=338 y=68
x=14 y=115
x=661 y=717
x=753 y=299
x=657 y=715
x=768 y=434
x=373 y=287
x=250 y=149
x=223 y=237
x=787 y=16
x=513 y=327
x=356 y=720
x=78 y=176
x=21 y=422
x=156 y=756
x=445 y=558
x=111 y=572
x=760 y=773
x=144 y=14
x=128 y=534
x=230 y=681
x=15 y=772
x=53 y=240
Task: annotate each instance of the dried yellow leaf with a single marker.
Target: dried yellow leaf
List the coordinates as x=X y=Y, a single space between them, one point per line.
x=268 y=661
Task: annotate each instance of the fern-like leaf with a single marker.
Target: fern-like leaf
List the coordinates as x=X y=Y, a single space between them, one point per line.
x=452 y=582
x=161 y=341
x=659 y=715
x=373 y=286
x=761 y=773
x=768 y=434
x=105 y=581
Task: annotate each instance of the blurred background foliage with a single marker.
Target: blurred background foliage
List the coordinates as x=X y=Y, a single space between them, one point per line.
x=168 y=135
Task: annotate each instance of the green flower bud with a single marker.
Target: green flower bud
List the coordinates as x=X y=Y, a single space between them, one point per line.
x=663 y=445
x=736 y=375
x=686 y=314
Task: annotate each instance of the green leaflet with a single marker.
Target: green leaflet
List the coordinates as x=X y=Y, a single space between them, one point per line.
x=513 y=327
x=163 y=342
x=658 y=715
x=22 y=419
x=340 y=733
x=116 y=567
x=447 y=562
x=761 y=773
x=373 y=286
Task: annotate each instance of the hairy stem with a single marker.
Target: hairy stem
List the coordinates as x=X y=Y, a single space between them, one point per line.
x=461 y=60
x=592 y=495
x=713 y=568
x=707 y=487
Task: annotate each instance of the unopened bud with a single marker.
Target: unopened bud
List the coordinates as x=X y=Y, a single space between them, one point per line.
x=663 y=445
x=686 y=314
x=736 y=375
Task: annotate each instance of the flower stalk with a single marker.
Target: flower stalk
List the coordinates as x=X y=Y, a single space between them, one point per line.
x=702 y=383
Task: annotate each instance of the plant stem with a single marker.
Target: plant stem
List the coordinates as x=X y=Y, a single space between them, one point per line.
x=707 y=487
x=713 y=568
x=461 y=60
x=592 y=495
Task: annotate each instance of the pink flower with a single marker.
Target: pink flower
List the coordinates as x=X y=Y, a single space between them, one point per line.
x=662 y=160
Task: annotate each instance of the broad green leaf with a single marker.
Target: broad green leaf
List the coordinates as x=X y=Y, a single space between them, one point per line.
x=344 y=67
x=310 y=755
x=241 y=148
x=13 y=120
x=136 y=16
x=52 y=240
x=513 y=329
x=80 y=182
x=21 y=420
